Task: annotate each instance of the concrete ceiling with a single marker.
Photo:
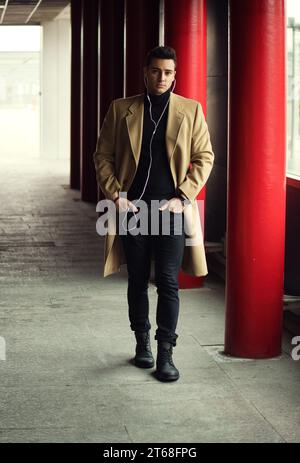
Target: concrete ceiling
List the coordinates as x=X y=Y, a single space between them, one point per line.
x=31 y=12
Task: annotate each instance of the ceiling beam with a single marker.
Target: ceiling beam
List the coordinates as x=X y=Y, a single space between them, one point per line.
x=3 y=12
x=33 y=11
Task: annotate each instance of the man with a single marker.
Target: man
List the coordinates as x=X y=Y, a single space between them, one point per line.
x=155 y=147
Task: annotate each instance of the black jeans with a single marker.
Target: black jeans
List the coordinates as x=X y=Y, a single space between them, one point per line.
x=167 y=250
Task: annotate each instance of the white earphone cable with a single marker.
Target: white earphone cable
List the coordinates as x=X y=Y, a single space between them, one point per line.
x=150 y=150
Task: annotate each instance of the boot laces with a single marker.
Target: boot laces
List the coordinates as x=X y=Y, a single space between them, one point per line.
x=167 y=355
x=143 y=342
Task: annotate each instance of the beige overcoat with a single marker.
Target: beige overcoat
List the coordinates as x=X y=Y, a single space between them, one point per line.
x=190 y=156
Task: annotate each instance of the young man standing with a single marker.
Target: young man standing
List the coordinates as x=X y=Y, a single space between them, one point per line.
x=155 y=147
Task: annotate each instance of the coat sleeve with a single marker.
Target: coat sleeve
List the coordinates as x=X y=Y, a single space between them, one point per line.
x=202 y=157
x=104 y=156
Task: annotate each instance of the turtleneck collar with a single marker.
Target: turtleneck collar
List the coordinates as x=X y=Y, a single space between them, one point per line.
x=157 y=100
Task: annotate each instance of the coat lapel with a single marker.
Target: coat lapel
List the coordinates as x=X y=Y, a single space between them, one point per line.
x=135 y=119
x=175 y=119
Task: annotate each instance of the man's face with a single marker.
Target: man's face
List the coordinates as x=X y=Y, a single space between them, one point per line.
x=159 y=75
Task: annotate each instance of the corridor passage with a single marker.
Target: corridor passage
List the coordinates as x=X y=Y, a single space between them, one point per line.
x=66 y=373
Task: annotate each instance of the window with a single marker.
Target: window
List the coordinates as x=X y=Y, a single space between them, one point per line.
x=293 y=88
x=19 y=91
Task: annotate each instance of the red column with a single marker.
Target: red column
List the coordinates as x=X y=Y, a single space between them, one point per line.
x=256 y=179
x=111 y=58
x=185 y=31
x=89 y=101
x=142 y=34
x=111 y=66
x=75 y=93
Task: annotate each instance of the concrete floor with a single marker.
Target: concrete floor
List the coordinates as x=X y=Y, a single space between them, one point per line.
x=67 y=375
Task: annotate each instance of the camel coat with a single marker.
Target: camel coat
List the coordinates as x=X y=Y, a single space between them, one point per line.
x=190 y=156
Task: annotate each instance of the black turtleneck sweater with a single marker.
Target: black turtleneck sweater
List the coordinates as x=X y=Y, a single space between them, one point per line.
x=160 y=183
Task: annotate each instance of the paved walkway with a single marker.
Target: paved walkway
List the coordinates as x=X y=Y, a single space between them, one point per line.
x=67 y=375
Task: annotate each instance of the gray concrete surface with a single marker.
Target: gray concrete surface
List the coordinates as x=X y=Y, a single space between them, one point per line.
x=67 y=375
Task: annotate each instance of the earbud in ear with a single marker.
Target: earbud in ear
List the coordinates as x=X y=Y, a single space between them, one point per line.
x=146 y=83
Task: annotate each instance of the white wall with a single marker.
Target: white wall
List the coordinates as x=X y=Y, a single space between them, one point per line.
x=55 y=88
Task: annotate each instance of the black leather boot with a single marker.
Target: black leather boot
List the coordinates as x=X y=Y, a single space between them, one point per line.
x=166 y=370
x=143 y=357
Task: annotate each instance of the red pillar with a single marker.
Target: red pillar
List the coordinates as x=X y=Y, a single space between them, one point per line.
x=89 y=101
x=111 y=66
x=142 y=34
x=110 y=59
x=75 y=93
x=185 y=31
x=256 y=179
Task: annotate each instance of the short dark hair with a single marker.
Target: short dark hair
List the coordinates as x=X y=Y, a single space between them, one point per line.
x=161 y=53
